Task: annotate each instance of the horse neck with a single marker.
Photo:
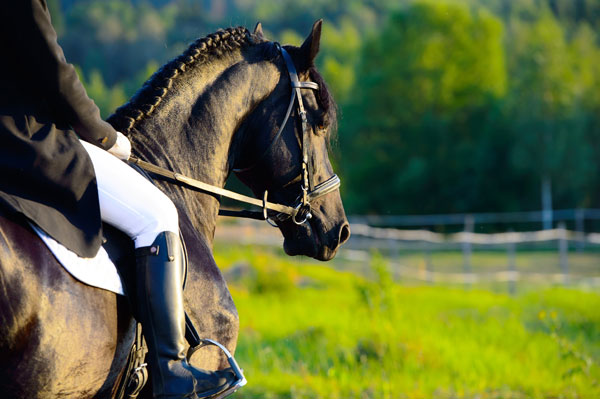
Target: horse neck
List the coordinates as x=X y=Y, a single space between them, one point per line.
x=194 y=128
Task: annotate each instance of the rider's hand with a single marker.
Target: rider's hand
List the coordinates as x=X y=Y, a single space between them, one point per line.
x=122 y=147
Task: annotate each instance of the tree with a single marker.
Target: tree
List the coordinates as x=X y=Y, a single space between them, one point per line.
x=116 y=38
x=423 y=101
x=548 y=126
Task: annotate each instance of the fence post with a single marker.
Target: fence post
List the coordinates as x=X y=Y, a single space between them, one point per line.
x=580 y=228
x=428 y=263
x=466 y=247
x=394 y=250
x=563 y=248
x=512 y=266
x=547 y=213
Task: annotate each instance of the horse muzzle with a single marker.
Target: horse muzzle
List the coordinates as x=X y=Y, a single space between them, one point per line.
x=314 y=238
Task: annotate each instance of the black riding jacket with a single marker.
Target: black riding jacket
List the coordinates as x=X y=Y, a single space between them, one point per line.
x=45 y=173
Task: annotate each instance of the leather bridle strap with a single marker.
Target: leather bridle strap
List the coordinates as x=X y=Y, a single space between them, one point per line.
x=303 y=208
x=320 y=190
x=296 y=94
x=208 y=188
x=296 y=87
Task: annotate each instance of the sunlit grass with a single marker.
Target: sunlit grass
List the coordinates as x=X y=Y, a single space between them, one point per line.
x=309 y=331
x=547 y=261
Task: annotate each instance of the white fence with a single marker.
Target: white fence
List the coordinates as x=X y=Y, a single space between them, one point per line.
x=577 y=216
x=474 y=238
x=394 y=242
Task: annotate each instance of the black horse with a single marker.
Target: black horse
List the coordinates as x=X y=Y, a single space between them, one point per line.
x=216 y=108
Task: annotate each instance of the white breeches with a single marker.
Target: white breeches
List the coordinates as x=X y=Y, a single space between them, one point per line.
x=128 y=201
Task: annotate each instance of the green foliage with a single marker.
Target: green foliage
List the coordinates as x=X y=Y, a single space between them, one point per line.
x=446 y=106
x=418 y=117
x=341 y=50
x=545 y=105
x=117 y=38
x=107 y=99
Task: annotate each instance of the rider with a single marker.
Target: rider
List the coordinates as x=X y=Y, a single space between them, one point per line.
x=66 y=186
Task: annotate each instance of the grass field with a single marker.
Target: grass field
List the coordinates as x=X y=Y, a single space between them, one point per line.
x=309 y=331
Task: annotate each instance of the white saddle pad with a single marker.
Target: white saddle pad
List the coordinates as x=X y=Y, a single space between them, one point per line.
x=99 y=271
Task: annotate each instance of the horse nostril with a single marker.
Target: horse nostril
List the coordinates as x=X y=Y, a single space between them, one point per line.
x=344 y=233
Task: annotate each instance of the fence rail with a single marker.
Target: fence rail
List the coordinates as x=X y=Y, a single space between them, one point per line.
x=399 y=243
x=474 y=238
x=427 y=241
x=500 y=276
x=577 y=215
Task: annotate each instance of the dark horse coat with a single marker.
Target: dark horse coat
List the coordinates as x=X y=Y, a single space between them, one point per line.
x=45 y=172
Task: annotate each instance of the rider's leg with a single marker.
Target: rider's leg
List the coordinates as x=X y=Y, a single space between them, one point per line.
x=130 y=202
x=134 y=205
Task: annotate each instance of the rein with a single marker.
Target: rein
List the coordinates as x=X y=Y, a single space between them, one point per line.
x=302 y=208
x=320 y=190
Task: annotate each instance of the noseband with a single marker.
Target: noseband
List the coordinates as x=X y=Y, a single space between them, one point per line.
x=300 y=212
x=302 y=208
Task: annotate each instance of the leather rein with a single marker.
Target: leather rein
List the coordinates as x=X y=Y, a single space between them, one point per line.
x=300 y=212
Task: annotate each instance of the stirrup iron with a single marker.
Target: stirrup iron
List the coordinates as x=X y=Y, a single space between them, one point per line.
x=239 y=374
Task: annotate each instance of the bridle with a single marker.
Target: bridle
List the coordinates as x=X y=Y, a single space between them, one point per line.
x=308 y=192
x=300 y=212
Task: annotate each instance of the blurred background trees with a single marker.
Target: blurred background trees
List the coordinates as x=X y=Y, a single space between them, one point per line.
x=446 y=106
x=417 y=123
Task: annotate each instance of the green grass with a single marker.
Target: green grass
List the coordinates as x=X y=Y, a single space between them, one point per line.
x=527 y=261
x=309 y=331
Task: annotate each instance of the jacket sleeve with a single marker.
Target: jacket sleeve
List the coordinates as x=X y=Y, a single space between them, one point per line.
x=59 y=80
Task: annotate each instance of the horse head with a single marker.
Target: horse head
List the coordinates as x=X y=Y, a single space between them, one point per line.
x=223 y=105
x=287 y=152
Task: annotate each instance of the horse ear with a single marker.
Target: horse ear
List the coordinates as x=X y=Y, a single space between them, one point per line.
x=258 y=32
x=310 y=47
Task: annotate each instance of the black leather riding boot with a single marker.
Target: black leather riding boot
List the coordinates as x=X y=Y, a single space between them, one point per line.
x=160 y=310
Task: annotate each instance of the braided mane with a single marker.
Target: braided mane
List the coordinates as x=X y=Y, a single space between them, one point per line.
x=145 y=101
x=148 y=98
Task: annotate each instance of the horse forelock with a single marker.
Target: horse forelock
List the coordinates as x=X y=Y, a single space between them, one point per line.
x=148 y=98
